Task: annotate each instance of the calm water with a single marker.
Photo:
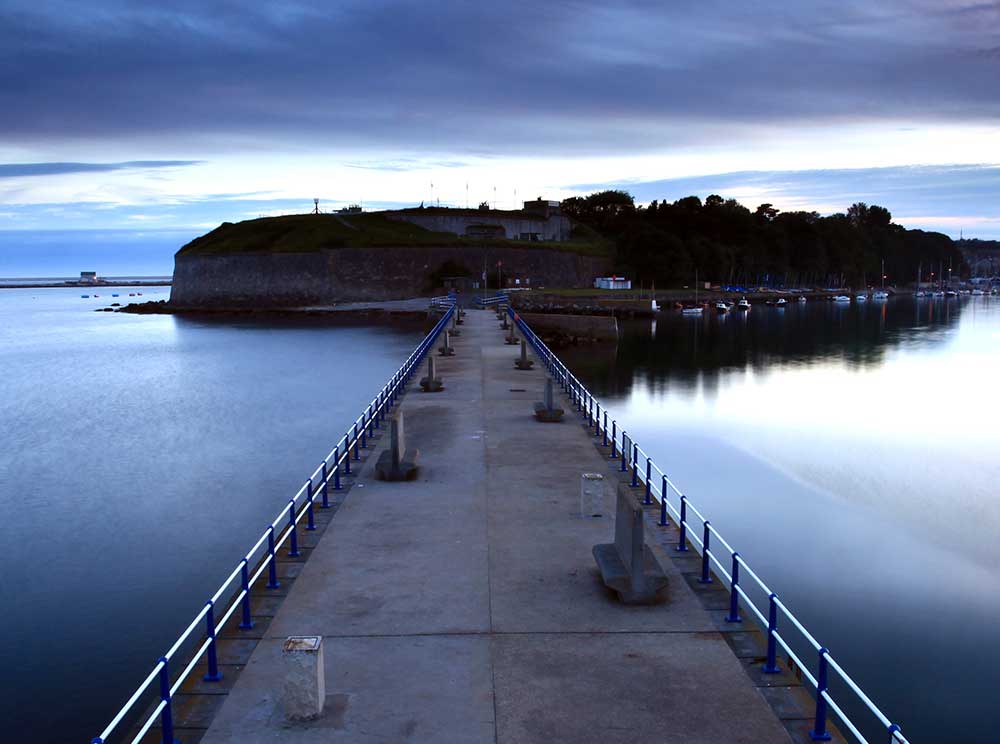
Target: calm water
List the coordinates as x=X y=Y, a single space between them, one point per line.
x=851 y=455
x=140 y=456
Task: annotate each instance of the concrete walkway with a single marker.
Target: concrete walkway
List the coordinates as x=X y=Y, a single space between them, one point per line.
x=466 y=607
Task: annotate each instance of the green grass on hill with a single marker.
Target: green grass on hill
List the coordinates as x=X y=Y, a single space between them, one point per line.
x=304 y=233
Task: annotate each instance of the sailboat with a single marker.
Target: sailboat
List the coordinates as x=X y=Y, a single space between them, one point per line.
x=881 y=294
x=919 y=292
x=696 y=309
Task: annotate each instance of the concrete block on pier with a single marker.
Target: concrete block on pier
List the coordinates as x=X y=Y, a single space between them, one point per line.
x=628 y=565
x=546 y=411
x=432 y=383
x=304 y=684
x=446 y=349
x=511 y=338
x=591 y=495
x=523 y=362
x=455 y=331
x=397 y=463
x=503 y=322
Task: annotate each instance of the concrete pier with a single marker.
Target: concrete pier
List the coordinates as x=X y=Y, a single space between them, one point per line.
x=465 y=606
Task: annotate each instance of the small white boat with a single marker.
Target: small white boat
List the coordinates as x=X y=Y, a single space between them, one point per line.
x=743 y=304
x=781 y=302
x=978 y=293
x=722 y=307
x=841 y=298
x=880 y=295
x=920 y=295
x=695 y=310
x=951 y=293
x=801 y=299
x=861 y=298
x=937 y=293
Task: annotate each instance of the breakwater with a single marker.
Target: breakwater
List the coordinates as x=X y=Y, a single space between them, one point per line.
x=476 y=580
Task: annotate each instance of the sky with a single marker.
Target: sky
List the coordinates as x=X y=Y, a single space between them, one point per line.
x=121 y=114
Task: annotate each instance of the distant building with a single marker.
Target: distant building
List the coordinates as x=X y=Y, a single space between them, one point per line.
x=88 y=277
x=612 y=282
x=540 y=220
x=352 y=209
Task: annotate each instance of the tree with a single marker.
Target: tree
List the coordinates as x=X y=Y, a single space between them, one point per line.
x=484 y=206
x=766 y=212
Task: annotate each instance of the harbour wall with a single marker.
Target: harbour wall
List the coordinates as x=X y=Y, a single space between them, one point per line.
x=286 y=279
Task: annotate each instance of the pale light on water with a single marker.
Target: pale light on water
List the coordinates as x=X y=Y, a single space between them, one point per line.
x=850 y=454
x=140 y=457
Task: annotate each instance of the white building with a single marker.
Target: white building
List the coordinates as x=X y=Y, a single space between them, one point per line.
x=612 y=282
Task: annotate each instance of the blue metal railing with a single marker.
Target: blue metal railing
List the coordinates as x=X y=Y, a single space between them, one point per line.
x=234 y=593
x=658 y=488
x=500 y=298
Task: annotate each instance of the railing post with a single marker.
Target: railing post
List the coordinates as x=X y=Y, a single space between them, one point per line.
x=706 y=537
x=166 y=715
x=293 y=546
x=604 y=441
x=272 y=566
x=597 y=420
x=682 y=538
x=364 y=429
x=893 y=729
x=649 y=487
x=614 y=438
x=635 y=465
x=357 y=450
x=246 y=622
x=734 y=606
x=326 y=489
x=213 y=660
x=336 y=468
x=819 y=732
x=378 y=408
x=347 y=453
x=310 y=518
x=771 y=666
x=663 y=502
x=624 y=465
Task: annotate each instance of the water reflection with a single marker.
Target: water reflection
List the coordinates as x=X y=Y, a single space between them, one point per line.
x=849 y=452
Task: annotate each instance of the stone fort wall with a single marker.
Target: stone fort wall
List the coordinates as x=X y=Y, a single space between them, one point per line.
x=360 y=274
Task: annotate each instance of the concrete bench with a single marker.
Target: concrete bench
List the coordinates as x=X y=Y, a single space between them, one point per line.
x=627 y=565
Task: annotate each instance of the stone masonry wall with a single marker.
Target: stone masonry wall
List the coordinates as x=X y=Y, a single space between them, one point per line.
x=359 y=274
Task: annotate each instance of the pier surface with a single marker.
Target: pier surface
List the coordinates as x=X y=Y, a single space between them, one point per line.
x=466 y=606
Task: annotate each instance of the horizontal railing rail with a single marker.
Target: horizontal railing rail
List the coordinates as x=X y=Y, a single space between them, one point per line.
x=442 y=302
x=234 y=593
x=659 y=489
x=500 y=298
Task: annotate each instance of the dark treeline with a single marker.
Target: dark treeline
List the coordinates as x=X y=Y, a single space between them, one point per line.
x=730 y=244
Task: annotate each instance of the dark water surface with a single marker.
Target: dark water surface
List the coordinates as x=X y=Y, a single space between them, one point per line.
x=140 y=457
x=852 y=456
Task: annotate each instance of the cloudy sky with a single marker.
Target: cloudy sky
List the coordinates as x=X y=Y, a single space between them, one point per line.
x=125 y=114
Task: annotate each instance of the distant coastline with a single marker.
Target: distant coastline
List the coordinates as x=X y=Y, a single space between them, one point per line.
x=50 y=283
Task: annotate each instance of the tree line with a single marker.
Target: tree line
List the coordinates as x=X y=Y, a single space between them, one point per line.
x=729 y=244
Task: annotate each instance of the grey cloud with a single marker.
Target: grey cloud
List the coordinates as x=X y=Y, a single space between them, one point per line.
x=15 y=170
x=475 y=78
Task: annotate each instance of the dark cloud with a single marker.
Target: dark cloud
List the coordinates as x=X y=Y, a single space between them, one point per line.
x=484 y=78
x=16 y=170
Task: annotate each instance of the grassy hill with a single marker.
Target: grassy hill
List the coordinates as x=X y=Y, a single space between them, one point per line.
x=313 y=232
